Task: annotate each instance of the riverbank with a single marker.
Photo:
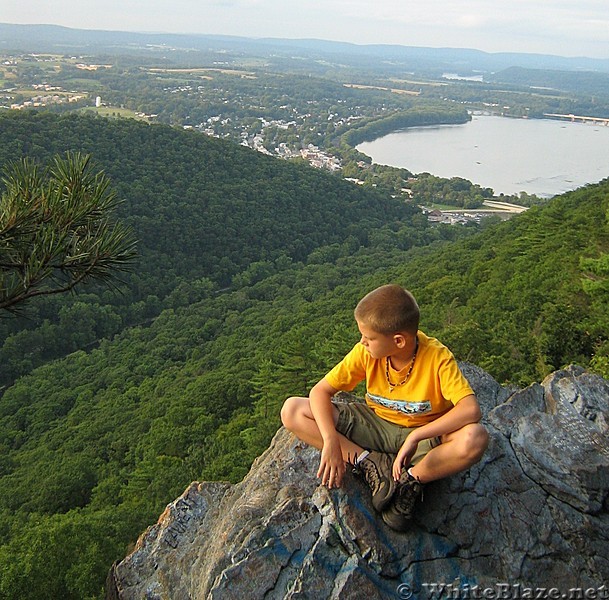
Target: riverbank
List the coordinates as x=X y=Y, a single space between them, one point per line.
x=544 y=157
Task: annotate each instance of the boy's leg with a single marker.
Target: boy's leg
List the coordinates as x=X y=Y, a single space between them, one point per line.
x=374 y=467
x=458 y=451
x=297 y=416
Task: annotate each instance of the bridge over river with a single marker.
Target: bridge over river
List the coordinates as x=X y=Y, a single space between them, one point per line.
x=581 y=118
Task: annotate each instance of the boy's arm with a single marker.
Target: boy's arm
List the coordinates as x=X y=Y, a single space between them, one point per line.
x=466 y=411
x=331 y=465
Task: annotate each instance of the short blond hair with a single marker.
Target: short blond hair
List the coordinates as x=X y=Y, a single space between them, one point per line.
x=389 y=309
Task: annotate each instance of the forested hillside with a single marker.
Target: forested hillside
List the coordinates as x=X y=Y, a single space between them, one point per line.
x=211 y=217
x=205 y=211
x=92 y=446
x=527 y=296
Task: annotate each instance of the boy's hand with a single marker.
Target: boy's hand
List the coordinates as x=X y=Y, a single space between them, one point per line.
x=409 y=447
x=331 y=466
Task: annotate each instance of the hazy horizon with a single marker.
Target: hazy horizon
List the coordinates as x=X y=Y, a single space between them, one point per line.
x=557 y=27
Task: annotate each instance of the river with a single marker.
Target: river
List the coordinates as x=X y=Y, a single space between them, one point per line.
x=537 y=156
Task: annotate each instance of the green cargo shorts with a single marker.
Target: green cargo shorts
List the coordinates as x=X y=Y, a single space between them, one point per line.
x=359 y=423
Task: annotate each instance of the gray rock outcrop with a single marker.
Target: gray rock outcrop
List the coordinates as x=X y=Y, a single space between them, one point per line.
x=532 y=514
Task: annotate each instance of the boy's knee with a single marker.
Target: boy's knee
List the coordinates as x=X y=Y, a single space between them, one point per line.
x=474 y=441
x=478 y=440
x=288 y=412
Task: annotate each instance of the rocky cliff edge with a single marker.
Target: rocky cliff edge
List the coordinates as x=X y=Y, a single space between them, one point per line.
x=532 y=514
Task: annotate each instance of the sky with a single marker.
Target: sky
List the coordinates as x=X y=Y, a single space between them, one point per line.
x=561 y=27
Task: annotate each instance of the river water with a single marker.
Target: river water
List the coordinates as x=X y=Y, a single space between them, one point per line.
x=538 y=156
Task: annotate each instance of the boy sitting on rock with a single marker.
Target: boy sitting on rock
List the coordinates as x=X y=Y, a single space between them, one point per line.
x=420 y=419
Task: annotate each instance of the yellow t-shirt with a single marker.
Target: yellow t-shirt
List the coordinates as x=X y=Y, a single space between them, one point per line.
x=435 y=385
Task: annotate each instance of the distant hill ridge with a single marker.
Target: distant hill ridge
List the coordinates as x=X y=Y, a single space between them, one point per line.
x=49 y=37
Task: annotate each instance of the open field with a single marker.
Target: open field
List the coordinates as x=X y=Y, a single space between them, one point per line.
x=378 y=87
x=7 y=74
x=111 y=111
x=201 y=72
x=88 y=85
x=413 y=82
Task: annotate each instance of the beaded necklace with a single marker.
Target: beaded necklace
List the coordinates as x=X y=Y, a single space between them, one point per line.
x=392 y=386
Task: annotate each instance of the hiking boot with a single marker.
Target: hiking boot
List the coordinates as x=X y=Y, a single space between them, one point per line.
x=375 y=469
x=399 y=514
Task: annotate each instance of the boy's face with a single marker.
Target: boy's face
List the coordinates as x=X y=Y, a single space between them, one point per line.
x=379 y=345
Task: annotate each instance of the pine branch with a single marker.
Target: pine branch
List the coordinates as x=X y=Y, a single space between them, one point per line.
x=57 y=231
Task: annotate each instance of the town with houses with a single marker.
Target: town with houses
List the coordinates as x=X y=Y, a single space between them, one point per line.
x=20 y=95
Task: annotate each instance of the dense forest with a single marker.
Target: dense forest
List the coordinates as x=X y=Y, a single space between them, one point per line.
x=249 y=271
x=414 y=117
x=204 y=211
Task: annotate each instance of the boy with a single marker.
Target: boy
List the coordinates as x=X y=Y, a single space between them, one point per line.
x=421 y=418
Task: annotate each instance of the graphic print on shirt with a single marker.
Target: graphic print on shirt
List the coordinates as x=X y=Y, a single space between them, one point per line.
x=404 y=406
